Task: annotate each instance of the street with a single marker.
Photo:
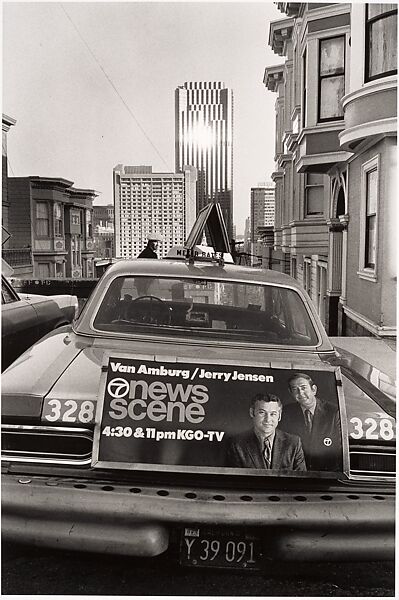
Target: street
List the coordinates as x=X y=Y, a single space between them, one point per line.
x=30 y=571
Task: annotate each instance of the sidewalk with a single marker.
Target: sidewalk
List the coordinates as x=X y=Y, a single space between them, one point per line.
x=380 y=354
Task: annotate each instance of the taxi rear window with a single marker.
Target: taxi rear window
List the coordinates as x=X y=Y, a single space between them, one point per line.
x=220 y=309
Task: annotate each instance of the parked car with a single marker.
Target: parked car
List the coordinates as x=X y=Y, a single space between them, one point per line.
x=25 y=318
x=138 y=431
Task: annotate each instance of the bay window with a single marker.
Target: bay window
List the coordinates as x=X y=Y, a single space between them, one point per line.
x=381 y=40
x=42 y=219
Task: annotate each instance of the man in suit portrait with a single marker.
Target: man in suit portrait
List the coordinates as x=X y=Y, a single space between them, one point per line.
x=317 y=423
x=264 y=446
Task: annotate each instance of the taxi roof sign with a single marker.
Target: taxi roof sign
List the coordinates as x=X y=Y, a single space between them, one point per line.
x=198 y=252
x=211 y=217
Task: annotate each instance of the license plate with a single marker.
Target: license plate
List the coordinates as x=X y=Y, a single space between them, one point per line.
x=223 y=549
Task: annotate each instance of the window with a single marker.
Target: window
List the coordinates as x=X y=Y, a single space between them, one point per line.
x=75 y=251
x=42 y=224
x=293 y=267
x=307 y=275
x=369 y=219
x=321 y=290
x=331 y=78
x=314 y=194
x=89 y=229
x=59 y=269
x=58 y=228
x=304 y=90
x=381 y=40
x=206 y=308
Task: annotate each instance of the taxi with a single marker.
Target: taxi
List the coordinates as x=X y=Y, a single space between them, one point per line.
x=140 y=429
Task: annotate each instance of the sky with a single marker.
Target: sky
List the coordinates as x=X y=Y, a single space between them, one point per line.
x=91 y=85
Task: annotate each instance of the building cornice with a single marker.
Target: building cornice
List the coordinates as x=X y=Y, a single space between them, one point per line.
x=277 y=175
x=50 y=182
x=291 y=9
x=83 y=192
x=359 y=133
x=326 y=158
x=279 y=33
x=64 y=185
x=7 y=122
x=273 y=76
x=322 y=128
x=372 y=87
x=285 y=158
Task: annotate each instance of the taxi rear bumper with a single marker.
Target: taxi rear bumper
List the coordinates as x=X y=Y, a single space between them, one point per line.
x=139 y=521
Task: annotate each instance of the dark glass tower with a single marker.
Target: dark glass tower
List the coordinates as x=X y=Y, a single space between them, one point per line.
x=204 y=139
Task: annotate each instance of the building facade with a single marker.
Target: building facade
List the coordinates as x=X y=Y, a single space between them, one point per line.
x=335 y=159
x=147 y=202
x=103 y=214
x=204 y=139
x=262 y=215
x=104 y=230
x=7 y=123
x=54 y=221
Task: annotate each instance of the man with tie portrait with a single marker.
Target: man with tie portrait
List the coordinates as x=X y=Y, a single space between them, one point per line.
x=264 y=446
x=317 y=423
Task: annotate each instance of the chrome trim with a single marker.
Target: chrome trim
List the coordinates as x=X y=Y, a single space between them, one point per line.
x=372 y=479
x=47 y=428
x=365 y=475
x=54 y=457
x=46 y=461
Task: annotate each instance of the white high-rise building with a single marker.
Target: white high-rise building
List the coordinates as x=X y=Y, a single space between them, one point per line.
x=147 y=202
x=262 y=214
x=204 y=139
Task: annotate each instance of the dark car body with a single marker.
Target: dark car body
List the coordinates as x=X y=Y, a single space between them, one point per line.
x=73 y=479
x=25 y=318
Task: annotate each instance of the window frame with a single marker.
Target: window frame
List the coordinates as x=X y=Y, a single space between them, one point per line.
x=306 y=214
x=41 y=219
x=58 y=220
x=294 y=267
x=367 y=27
x=368 y=272
x=321 y=278
x=88 y=222
x=307 y=275
x=304 y=86
x=319 y=77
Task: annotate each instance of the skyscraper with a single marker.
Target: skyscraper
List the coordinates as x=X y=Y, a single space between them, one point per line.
x=147 y=202
x=204 y=139
x=262 y=213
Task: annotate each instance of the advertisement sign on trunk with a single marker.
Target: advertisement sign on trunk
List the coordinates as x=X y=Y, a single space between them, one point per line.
x=215 y=418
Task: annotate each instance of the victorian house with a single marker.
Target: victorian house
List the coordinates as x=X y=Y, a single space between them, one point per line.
x=335 y=158
x=53 y=220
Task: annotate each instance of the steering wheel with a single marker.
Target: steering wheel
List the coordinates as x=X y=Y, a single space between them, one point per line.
x=162 y=314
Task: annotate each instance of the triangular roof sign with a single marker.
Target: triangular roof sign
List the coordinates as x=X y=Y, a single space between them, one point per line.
x=210 y=216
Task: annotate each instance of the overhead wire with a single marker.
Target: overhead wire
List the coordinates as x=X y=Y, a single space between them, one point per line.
x=131 y=113
x=143 y=131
